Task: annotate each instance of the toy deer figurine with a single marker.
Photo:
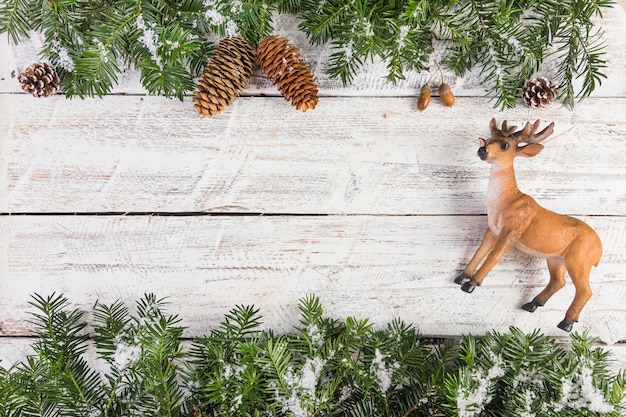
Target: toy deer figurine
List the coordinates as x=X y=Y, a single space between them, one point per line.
x=515 y=219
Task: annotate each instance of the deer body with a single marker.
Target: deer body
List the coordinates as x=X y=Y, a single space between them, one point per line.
x=515 y=219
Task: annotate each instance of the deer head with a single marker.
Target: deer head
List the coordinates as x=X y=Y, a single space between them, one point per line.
x=507 y=143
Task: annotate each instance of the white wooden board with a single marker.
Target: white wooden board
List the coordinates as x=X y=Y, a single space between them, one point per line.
x=351 y=155
x=363 y=201
x=366 y=266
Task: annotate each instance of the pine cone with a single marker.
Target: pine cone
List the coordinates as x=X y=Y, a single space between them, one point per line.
x=282 y=64
x=225 y=76
x=539 y=92
x=39 y=79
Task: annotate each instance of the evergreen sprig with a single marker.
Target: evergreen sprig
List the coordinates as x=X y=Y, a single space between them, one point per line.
x=92 y=42
x=505 y=40
x=56 y=380
x=530 y=375
x=323 y=368
x=143 y=352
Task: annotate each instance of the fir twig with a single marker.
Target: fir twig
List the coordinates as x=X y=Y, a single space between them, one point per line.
x=90 y=43
x=325 y=367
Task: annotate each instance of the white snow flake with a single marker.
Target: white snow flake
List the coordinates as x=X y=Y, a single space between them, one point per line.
x=382 y=372
x=65 y=60
x=472 y=403
x=579 y=393
x=126 y=355
x=149 y=39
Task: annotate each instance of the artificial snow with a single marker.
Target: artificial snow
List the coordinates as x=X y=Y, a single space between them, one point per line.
x=348 y=50
x=235 y=371
x=126 y=355
x=471 y=403
x=302 y=387
x=236 y=6
x=578 y=392
x=404 y=31
x=529 y=397
x=315 y=335
x=214 y=17
x=231 y=29
x=65 y=61
x=103 y=52
x=367 y=26
x=149 y=39
x=382 y=372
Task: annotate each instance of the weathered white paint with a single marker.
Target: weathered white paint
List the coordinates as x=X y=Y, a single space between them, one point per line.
x=397 y=198
x=350 y=155
x=366 y=266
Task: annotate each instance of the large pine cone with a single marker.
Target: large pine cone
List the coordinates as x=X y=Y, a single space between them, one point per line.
x=39 y=79
x=282 y=64
x=225 y=76
x=539 y=92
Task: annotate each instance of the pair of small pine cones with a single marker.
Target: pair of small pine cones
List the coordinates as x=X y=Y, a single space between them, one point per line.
x=231 y=67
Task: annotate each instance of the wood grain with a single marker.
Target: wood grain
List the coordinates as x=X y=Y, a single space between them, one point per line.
x=363 y=201
x=350 y=155
x=366 y=266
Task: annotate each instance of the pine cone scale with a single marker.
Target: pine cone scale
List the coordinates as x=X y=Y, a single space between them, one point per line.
x=225 y=76
x=539 y=92
x=39 y=80
x=282 y=64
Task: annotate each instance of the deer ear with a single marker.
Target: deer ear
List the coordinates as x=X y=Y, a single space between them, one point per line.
x=531 y=149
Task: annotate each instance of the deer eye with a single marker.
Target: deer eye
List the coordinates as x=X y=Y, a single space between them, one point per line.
x=504 y=145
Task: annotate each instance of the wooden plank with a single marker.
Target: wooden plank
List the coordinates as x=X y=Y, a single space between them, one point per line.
x=351 y=155
x=379 y=267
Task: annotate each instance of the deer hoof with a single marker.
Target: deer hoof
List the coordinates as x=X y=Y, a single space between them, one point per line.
x=531 y=307
x=468 y=288
x=462 y=279
x=565 y=325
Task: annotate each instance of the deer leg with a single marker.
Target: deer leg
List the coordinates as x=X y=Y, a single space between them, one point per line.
x=556 y=266
x=503 y=242
x=483 y=249
x=579 y=273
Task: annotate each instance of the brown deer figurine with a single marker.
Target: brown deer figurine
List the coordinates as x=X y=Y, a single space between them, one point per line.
x=515 y=219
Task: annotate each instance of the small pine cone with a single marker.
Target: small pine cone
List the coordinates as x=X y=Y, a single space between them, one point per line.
x=282 y=64
x=39 y=79
x=225 y=76
x=539 y=92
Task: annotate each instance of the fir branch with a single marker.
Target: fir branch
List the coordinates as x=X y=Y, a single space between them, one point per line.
x=19 y=17
x=325 y=367
x=289 y=6
x=250 y=19
x=62 y=380
x=581 y=49
x=168 y=41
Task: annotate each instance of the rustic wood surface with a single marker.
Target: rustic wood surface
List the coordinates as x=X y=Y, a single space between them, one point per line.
x=363 y=201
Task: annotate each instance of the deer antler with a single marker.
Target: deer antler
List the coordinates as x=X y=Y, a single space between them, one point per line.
x=527 y=134
x=504 y=132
